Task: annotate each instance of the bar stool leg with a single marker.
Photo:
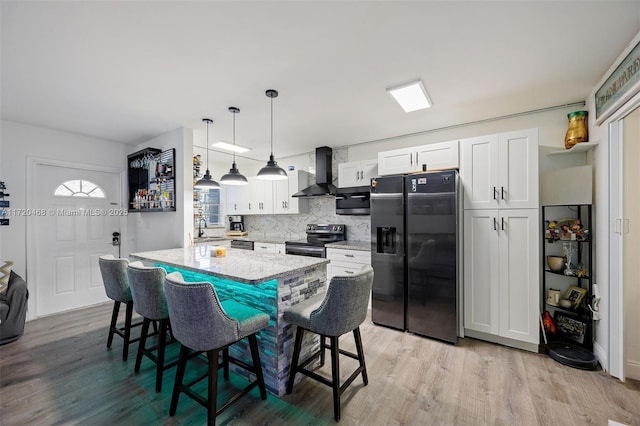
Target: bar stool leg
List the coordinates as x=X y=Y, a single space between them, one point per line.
x=225 y=363
x=142 y=343
x=255 y=355
x=114 y=322
x=177 y=385
x=294 y=360
x=162 y=343
x=127 y=331
x=358 y=339
x=335 y=376
x=213 y=386
x=323 y=346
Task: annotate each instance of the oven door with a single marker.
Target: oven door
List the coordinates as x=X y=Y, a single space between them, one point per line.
x=303 y=250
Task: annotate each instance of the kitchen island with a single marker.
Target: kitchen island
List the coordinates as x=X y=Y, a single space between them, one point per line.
x=265 y=281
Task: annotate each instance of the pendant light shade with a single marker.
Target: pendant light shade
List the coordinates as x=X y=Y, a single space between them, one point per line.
x=272 y=171
x=207 y=182
x=234 y=177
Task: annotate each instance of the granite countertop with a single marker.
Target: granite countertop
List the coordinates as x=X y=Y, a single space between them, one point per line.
x=351 y=245
x=239 y=265
x=271 y=239
x=198 y=240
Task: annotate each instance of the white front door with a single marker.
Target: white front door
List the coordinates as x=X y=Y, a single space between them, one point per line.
x=74 y=224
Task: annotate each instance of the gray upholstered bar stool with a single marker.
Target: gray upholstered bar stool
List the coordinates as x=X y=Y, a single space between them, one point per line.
x=149 y=300
x=116 y=284
x=341 y=310
x=202 y=323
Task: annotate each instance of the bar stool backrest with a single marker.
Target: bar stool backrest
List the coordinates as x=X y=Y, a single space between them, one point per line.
x=344 y=307
x=197 y=318
x=114 y=277
x=147 y=290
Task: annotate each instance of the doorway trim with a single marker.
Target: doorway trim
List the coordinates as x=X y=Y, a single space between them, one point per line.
x=616 y=261
x=30 y=250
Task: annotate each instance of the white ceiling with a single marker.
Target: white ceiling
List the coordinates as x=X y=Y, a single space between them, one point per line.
x=129 y=71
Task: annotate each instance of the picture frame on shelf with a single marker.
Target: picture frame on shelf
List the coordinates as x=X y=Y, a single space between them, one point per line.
x=570 y=327
x=575 y=294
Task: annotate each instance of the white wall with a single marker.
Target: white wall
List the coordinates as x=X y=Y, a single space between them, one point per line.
x=552 y=126
x=20 y=142
x=163 y=230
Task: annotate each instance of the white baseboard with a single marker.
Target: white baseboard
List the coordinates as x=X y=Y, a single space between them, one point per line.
x=601 y=356
x=632 y=370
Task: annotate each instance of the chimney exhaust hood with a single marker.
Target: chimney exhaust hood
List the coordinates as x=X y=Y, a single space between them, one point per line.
x=323 y=186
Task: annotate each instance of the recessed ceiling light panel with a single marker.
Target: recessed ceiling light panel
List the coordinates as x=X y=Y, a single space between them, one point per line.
x=230 y=147
x=411 y=96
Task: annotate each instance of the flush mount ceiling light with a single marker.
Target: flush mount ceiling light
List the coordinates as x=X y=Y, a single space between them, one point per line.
x=207 y=182
x=234 y=177
x=272 y=171
x=411 y=96
x=232 y=148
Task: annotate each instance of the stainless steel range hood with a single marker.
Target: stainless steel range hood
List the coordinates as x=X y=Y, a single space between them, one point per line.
x=323 y=186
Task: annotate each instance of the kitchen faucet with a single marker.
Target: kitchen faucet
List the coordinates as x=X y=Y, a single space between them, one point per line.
x=200 y=231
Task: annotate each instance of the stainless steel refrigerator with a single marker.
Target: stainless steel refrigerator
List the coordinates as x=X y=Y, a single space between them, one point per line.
x=414 y=253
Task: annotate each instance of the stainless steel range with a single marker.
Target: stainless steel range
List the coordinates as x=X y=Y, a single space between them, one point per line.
x=318 y=235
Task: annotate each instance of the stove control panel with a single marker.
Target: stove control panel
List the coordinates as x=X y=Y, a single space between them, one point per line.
x=336 y=229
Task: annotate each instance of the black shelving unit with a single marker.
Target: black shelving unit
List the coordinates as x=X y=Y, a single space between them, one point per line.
x=152 y=186
x=572 y=344
x=4 y=205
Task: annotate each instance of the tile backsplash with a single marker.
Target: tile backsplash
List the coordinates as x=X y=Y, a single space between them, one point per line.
x=292 y=226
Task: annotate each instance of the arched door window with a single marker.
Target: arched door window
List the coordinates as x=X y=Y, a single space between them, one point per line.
x=79 y=188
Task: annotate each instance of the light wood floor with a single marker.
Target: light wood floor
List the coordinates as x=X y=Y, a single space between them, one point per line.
x=60 y=372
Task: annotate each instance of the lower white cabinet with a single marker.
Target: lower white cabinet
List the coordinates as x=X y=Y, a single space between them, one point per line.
x=501 y=275
x=269 y=248
x=347 y=262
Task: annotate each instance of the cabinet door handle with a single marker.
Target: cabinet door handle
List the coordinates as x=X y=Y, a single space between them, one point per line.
x=495 y=193
x=495 y=224
x=625 y=230
x=502 y=191
x=235 y=206
x=502 y=226
x=249 y=206
x=417 y=161
x=411 y=158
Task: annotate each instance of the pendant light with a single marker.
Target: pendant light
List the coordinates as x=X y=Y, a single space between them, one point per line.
x=272 y=171
x=207 y=182
x=234 y=177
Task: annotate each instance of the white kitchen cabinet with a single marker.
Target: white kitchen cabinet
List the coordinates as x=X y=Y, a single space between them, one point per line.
x=501 y=275
x=347 y=262
x=500 y=171
x=268 y=247
x=435 y=156
x=237 y=199
x=261 y=196
x=358 y=173
x=283 y=202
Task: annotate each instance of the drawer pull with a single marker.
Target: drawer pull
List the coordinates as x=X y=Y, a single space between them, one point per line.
x=349 y=272
x=349 y=255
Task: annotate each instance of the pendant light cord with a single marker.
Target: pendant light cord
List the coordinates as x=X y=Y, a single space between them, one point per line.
x=207 y=145
x=234 y=137
x=271 y=127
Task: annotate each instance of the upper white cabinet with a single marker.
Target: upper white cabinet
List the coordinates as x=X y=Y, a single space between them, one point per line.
x=261 y=196
x=436 y=156
x=268 y=197
x=500 y=171
x=283 y=202
x=358 y=173
x=238 y=199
